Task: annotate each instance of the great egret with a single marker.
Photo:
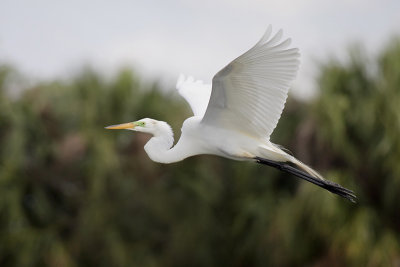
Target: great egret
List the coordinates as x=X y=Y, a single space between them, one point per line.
x=235 y=116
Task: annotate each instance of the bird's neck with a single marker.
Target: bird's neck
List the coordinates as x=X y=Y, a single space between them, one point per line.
x=159 y=148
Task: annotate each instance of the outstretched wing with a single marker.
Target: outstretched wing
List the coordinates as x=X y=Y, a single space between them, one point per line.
x=249 y=94
x=196 y=93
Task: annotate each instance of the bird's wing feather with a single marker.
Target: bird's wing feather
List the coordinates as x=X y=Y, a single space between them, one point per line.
x=249 y=94
x=196 y=93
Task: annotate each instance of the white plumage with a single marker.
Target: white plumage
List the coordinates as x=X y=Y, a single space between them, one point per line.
x=252 y=89
x=196 y=93
x=235 y=116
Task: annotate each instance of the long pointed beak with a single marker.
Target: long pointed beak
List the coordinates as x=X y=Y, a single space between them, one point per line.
x=121 y=126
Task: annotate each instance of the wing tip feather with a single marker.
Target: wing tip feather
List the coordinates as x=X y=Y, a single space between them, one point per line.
x=180 y=81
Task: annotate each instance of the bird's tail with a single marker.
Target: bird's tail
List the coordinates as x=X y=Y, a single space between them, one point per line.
x=294 y=166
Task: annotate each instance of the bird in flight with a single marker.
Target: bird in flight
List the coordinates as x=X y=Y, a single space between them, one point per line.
x=236 y=114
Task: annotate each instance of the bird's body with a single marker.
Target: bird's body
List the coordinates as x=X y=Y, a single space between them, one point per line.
x=199 y=139
x=235 y=116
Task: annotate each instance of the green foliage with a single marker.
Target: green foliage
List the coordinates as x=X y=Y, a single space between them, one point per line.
x=75 y=194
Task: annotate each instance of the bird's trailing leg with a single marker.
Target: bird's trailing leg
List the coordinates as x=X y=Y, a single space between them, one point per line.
x=328 y=185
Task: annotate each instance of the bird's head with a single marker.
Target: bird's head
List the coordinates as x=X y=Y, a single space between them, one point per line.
x=144 y=125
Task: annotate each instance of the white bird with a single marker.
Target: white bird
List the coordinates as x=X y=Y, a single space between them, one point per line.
x=235 y=116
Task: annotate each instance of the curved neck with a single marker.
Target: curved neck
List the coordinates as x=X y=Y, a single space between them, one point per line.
x=159 y=147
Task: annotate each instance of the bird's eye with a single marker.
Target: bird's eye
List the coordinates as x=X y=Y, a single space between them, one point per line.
x=141 y=123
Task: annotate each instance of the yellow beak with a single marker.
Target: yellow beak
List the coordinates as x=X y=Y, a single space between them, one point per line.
x=121 y=126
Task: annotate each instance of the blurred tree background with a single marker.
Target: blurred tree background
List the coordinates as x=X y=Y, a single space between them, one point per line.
x=74 y=194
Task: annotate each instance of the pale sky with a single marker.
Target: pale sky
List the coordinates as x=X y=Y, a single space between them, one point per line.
x=47 y=39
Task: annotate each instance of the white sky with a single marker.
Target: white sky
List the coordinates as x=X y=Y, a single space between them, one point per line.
x=160 y=39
